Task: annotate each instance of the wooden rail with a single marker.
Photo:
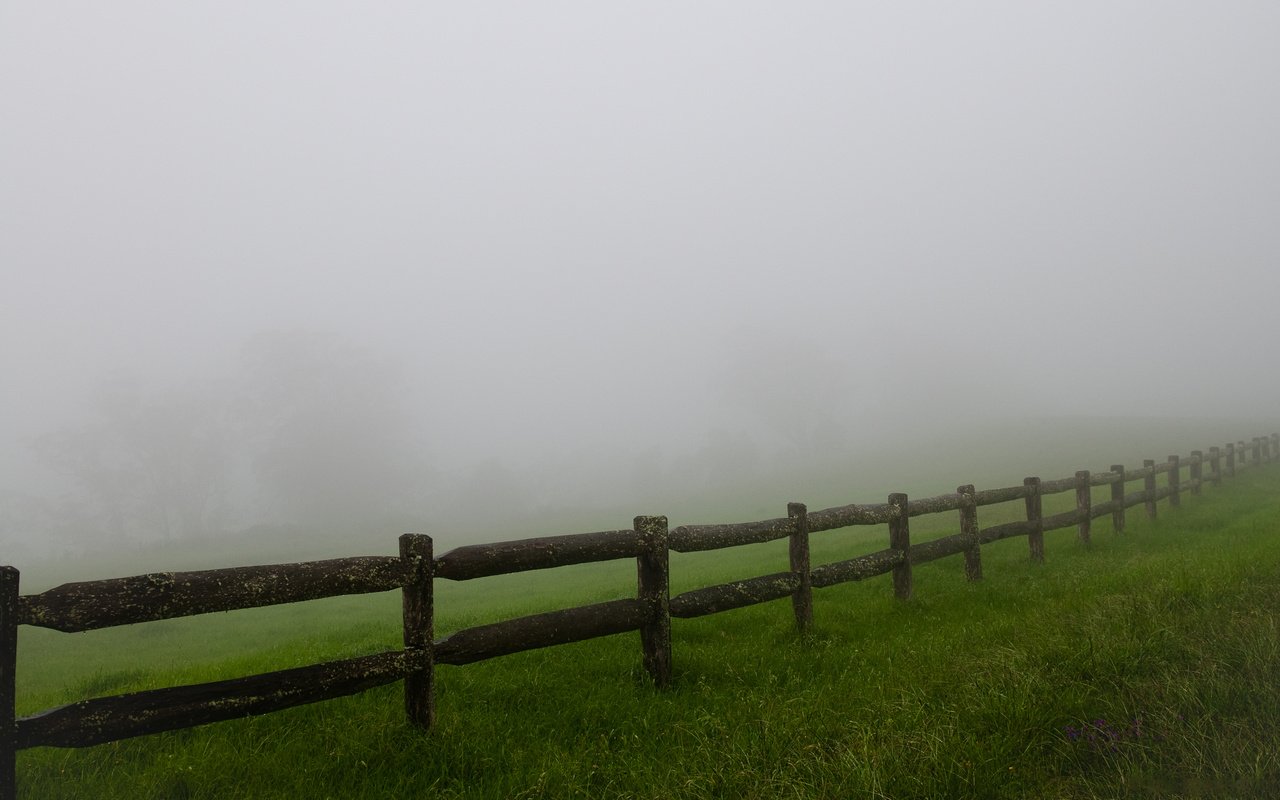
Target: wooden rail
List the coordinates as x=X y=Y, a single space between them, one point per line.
x=89 y=605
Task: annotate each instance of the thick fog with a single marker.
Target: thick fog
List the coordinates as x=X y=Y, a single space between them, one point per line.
x=283 y=269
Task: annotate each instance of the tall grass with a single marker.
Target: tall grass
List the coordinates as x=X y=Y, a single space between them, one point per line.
x=1144 y=665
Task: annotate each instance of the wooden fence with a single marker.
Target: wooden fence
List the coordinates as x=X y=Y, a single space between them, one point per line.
x=90 y=605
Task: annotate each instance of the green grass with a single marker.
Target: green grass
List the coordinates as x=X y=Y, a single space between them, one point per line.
x=1169 y=632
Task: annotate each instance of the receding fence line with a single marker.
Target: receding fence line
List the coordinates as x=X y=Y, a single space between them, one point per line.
x=90 y=605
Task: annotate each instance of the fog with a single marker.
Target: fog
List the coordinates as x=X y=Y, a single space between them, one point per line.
x=278 y=271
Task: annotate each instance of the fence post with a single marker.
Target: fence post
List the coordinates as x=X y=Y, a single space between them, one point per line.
x=1275 y=444
x=802 y=599
x=969 y=530
x=1084 y=504
x=1243 y=451
x=1034 y=516
x=8 y=688
x=1257 y=452
x=900 y=539
x=1197 y=459
x=653 y=586
x=1215 y=465
x=1175 y=482
x=1231 y=459
x=1117 y=497
x=419 y=629
x=1150 y=485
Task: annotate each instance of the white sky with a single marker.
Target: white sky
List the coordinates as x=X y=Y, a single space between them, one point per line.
x=568 y=220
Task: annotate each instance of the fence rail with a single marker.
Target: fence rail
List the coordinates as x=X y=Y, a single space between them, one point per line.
x=89 y=605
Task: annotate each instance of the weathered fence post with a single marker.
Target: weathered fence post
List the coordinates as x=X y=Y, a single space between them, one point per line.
x=969 y=530
x=802 y=599
x=8 y=687
x=1231 y=459
x=1275 y=444
x=1117 y=497
x=900 y=539
x=1175 y=483
x=1197 y=459
x=1150 y=485
x=1257 y=452
x=1035 y=517
x=419 y=629
x=653 y=581
x=1243 y=451
x=1215 y=465
x=1084 y=504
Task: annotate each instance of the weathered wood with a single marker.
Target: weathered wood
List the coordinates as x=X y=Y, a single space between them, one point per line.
x=1084 y=499
x=1231 y=460
x=798 y=551
x=969 y=529
x=1117 y=498
x=74 y=607
x=1257 y=452
x=1105 y=478
x=1105 y=507
x=856 y=569
x=1197 y=461
x=1134 y=498
x=107 y=719
x=8 y=688
x=1063 y=520
x=856 y=514
x=653 y=589
x=1034 y=515
x=543 y=630
x=1057 y=486
x=1163 y=492
x=900 y=540
x=1161 y=467
x=1151 y=487
x=924 y=552
x=1175 y=482
x=1140 y=474
x=938 y=504
x=988 y=497
x=690 y=538
x=1007 y=530
x=1215 y=465
x=738 y=594
x=419 y=629
x=522 y=555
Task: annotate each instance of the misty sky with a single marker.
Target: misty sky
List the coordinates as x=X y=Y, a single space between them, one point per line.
x=569 y=227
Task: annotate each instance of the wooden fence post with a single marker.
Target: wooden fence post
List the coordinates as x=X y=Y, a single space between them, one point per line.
x=900 y=539
x=8 y=688
x=419 y=629
x=1197 y=475
x=1175 y=482
x=1215 y=465
x=1084 y=504
x=1035 y=517
x=653 y=584
x=969 y=530
x=1243 y=451
x=802 y=600
x=1257 y=452
x=1150 y=485
x=1231 y=459
x=1117 y=497
x=1275 y=444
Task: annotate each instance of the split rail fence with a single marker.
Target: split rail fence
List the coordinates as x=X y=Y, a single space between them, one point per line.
x=91 y=605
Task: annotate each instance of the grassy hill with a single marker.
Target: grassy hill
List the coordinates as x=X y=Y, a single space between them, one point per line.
x=1146 y=665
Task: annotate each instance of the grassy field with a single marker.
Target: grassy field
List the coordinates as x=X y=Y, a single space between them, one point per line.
x=1145 y=665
